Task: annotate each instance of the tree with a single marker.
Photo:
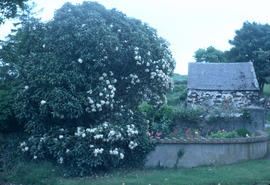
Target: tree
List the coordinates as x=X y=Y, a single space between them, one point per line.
x=252 y=43
x=9 y=8
x=210 y=54
x=87 y=67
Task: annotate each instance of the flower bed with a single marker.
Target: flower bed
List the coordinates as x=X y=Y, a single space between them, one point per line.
x=180 y=152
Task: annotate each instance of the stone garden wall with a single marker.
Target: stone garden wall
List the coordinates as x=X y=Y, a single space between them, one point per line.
x=253 y=120
x=236 y=99
x=199 y=152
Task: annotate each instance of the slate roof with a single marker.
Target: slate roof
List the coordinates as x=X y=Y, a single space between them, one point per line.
x=222 y=76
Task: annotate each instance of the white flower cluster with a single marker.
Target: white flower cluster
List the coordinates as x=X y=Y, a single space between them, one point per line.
x=114 y=136
x=131 y=130
x=42 y=102
x=134 y=79
x=61 y=160
x=98 y=151
x=24 y=147
x=80 y=132
x=116 y=152
x=105 y=97
x=80 y=60
x=132 y=145
x=98 y=136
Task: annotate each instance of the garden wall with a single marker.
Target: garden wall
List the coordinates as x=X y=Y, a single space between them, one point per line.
x=253 y=120
x=199 y=152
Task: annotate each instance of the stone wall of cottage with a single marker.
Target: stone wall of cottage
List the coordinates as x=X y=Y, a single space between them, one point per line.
x=234 y=99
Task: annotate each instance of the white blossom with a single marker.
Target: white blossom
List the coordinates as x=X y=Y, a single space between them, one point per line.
x=97 y=151
x=122 y=156
x=26 y=87
x=61 y=136
x=42 y=102
x=35 y=157
x=61 y=160
x=132 y=145
x=98 y=136
x=90 y=91
x=90 y=100
x=80 y=60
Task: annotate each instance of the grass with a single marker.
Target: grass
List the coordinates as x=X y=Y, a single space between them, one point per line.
x=248 y=173
x=266 y=89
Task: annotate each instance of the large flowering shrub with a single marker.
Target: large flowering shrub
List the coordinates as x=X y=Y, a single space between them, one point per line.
x=81 y=69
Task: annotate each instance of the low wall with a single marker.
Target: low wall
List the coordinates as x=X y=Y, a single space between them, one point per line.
x=200 y=152
x=256 y=121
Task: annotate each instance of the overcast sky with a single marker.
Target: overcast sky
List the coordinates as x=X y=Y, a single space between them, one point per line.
x=186 y=24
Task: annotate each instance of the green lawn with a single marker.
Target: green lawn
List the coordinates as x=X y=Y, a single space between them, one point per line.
x=266 y=89
x=249 y=173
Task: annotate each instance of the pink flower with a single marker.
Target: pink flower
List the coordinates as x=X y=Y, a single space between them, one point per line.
x=158 y=134
x=188 y=131
x=223 y=130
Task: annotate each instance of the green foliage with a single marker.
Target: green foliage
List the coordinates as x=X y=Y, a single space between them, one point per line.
x=180 y=153
x=210 y=54
x=189 y=114
x=178 y=95
x=9 y=8
x=243 y=132
x=84 y=64
x=251 y=43
x=161 y=118
x=179 y=79
x=8 y=85
x=224 y=134
x=87 y=66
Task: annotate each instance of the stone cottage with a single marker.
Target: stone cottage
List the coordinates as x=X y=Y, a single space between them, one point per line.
x=213 y=84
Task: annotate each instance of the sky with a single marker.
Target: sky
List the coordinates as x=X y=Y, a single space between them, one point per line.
x=186 y=24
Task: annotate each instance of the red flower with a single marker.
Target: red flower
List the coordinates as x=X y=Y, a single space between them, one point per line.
x=192 y=137
x=187 y=136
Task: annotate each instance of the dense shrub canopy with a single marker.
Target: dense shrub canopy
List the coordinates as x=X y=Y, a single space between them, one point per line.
x=86 y=63
x=86 y=67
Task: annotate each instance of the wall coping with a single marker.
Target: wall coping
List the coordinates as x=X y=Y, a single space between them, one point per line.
x=255 y=139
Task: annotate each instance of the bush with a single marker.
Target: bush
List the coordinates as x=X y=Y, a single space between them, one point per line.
x=82 y=69
x=86 y=150
x=8 y=122
x=160 y=118
x=243 y=132
x=190 y=114
x=178 y=95
x=224 y=134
